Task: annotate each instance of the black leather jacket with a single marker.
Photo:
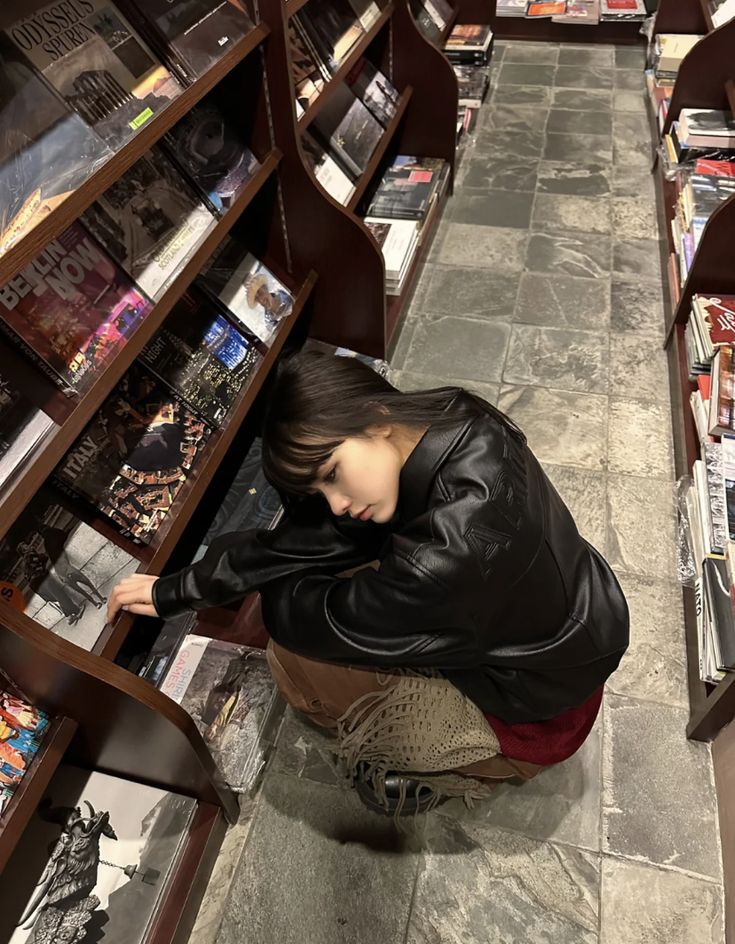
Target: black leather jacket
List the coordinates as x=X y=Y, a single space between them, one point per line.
x=483 y=575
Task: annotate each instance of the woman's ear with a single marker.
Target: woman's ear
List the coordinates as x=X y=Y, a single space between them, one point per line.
x=380 y=431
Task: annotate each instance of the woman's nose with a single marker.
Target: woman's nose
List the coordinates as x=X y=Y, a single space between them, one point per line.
x=339 y=504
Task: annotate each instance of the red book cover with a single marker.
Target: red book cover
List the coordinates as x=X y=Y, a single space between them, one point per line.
x=73 y=307
x=704 y=382
x=719 y=316
x=622 y=5
x=715 y=168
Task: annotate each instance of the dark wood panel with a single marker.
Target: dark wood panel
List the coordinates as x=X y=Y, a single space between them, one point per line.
x=293 y=6
x=723 y=761
x=476 y=11
x=15 y=498
x=543 y=30
x=30 y=791
x=25 y=250
x=680 y=16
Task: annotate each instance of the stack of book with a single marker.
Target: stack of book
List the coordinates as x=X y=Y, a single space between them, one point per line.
x=398 y=241
x=711 y=325
x=469 y=44
x=670 y=50
x=699 y=195
x=22 y=729
x=511 y=8
x=580 y=12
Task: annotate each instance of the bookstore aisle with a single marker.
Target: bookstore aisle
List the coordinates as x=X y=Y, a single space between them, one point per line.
x=543 y=293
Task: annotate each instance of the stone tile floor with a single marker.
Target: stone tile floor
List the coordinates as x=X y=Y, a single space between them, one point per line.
x=543 y=293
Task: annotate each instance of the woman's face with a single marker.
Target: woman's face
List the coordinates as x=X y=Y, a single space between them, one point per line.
x=361 y=477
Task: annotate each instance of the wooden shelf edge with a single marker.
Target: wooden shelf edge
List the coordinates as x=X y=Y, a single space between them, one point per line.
x=379 y=152
x=23 y=487
x=293 y=7
x=345 y=67
x=34 y=783
x=112 y=639
x=27 y=248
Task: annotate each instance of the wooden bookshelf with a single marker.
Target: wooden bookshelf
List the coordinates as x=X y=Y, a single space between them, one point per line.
x=293 y=7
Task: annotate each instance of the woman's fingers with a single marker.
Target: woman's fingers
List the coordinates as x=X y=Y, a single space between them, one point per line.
x=133 y=594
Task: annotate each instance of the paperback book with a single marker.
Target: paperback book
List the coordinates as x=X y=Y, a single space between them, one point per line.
x=196 y=33
x=94 y=861
x=136 y=453
x=348 y=129
x=326 y=170
x=22 y=730
x=212 y=154
x=150 y=221
x=231 y=696
x=46 y=149
x=94 y=58
x=333 y=29
x=250 y=292
x=374 y=90
x=202 y=357
x=72 y=309
x=59 y=571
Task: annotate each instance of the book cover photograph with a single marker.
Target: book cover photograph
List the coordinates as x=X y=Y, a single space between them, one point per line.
x=308 y=79
x=150 y=221
x=407 y=188
x=73 y=307
x=198 y=32
x=202 y=356
x=22 y=730
x=374 y=91
x=348 y=129
x=212 y=154
x=132 y=459
x=59 y=571
x=94 y=861
x=249 y=291
x=326 y=170
x=230 y=694
x=333 y=29
x=23 y=426
x=46 y=149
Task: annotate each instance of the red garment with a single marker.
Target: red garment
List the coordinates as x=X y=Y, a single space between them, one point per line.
x=548 y=742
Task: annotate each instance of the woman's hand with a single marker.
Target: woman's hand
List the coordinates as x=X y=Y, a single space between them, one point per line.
x=134 y=595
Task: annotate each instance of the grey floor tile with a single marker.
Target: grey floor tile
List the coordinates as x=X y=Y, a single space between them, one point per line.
x=558 y=301
x=563 y=428
x=655 y=666
x=641 y=532
x=480 y=884
x=499 y=248
x=599 y=100
x=634 y=218
x=518 y=73
x=638 y=369
x=313 y=853
x=630 y=79
x=536 y=95
x=634 y=102
x=638 y=181
x=643 y=818
x=598 y=56
x=559 y=358
x=638 y=259
x=582 y=148
x=568 y=121
x=560 y=213
x=532 y=53
x=580 y=179
x=507 y=118
x=584 y=492
x=476 y=293
x=510 y=174
x=584 y=255
x=499 y=146
x=561 y=804
x=630 y=126
x=633 y=155
x=493 y=208
x=630 y=57
x=463 y=348
x=639 y=439
x=409 y=380
x=644 y=905
x=584 y=77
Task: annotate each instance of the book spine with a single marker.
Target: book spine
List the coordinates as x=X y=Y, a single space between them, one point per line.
x=37 y=359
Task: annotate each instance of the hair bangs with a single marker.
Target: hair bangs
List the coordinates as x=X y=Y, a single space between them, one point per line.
x=292 y=459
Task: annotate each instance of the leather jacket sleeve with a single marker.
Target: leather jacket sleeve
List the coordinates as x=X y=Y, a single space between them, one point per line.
x=235 y=564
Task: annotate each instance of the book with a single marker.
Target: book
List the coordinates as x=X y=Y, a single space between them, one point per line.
x=348 y=129
x=722 y=404
x=539 y=8
x=165 y=647
x=728 y=474
x=46 y=149
x=398 y=241
x=511 y=8
x=622 y=10
x=24 y=426
x=706 y=127
x=374 y=90
x=250 y=292
x=94 y=861
x=469 y=37
x=332 y=28
x=715 y=495
x=408 y=187
x=94 y=58
x=308 y=78
x=72 y=309
x=326 y=170
x=196 y=33
x=671 y=49
x=366 y=11
x=583 y=12
x=716 y=315
x=231 y=696
x=150 y=221
x=212 y=152
x=722 y=12
x=202 y=356
x=59 y=571
x=717 y=588
x=131 y=460
x=22 y=730
x=472 y=83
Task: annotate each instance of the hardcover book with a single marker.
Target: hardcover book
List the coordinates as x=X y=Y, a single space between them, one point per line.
x=93 y=57
x=537 y=8
x=622 y=10
x=197 y=32
x=249 y=291
x=374 y=90
x=348 y=129
x=333 y=29
x=59 y=571
x=46 y=149
x=150 y=221
x=72 y=308
x=23 y=426
x=22 y=729
x=165 y=647
x=212 y=154
x=408 y=188
x=202 y=357
x=469 y=37
x=398 y=240
x=326 y=170
x=94 y=861
x=132 y=459
x=717 y=316
x=232 y=698
x=308 y=78
x=722 y=402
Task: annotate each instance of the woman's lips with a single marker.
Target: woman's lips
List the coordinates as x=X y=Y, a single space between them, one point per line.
x=365 y=515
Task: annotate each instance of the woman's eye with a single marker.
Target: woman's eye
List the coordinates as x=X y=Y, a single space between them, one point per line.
x=331 y=475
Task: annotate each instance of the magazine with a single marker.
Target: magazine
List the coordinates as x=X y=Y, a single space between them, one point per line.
x=23 y=426
x=22 y=730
